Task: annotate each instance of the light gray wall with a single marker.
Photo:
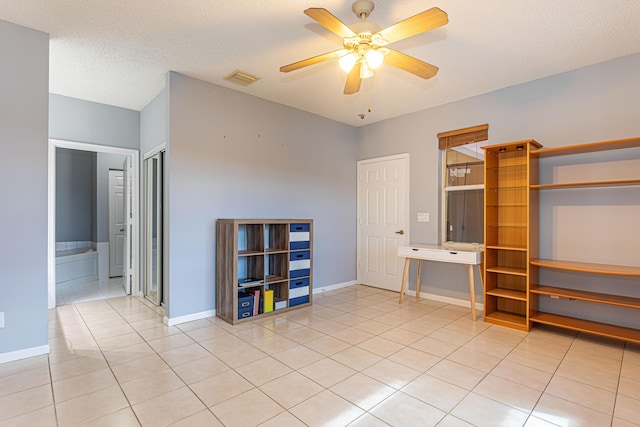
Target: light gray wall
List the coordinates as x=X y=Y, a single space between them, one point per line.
x=73 y=119
x=153 y=124
x=595 y=103
x=75 y=195
x=24 y=86
x=235 y=156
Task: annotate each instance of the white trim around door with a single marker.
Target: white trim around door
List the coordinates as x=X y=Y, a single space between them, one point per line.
x=391 y=266
x=51 y=242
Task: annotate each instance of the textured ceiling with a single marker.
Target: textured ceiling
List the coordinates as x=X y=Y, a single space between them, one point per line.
x=117 y=52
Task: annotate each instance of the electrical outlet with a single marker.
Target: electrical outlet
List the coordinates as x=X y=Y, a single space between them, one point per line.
x=423 y=216
x=1 y=319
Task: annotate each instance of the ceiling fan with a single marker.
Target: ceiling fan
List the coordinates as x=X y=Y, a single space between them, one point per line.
x=365 y=43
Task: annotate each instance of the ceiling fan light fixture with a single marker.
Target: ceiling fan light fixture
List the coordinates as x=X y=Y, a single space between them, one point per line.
x=365 y=71
x=348 y=61
x=374 y=58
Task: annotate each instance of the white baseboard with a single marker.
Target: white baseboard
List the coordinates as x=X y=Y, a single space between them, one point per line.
x=188 y=318
x=23 y=354
x=448 y=300
x=334 y=287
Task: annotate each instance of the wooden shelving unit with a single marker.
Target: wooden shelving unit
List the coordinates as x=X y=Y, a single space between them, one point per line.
x=255 y=257
x=602 y=297
x=510 y=234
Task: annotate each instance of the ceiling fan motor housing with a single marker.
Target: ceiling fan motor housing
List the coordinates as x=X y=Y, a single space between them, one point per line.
x=362 y=7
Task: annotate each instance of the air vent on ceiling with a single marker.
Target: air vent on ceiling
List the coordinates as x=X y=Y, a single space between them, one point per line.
x=242 y=78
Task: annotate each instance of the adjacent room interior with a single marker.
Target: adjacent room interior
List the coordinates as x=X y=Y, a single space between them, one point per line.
x=202 y=227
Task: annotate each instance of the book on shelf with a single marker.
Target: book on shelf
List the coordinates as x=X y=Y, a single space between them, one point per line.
x=249 y=282
x=256 y=301
x=268 y=300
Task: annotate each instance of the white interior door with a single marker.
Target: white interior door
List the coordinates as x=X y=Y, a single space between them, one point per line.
x=127 y=255
x=382 y=220
x=116 y=223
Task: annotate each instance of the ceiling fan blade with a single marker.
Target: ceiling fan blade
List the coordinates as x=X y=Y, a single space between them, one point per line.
x=330 y=22
x=353 y=80
x=424 y=21
x=410 y=64
x=312 y=60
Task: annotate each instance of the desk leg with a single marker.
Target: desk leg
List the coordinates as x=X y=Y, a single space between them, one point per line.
x=418 y=280
x=404 y=278
x=472 y=292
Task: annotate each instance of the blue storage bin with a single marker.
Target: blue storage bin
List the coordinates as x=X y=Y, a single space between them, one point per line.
x=299 y=245
x=298 y=300
x=294 y=274
x=245 y=301
x=299 y=264
x=296 y=256
x=245 y=312
x=299 y=227
x=298 y=283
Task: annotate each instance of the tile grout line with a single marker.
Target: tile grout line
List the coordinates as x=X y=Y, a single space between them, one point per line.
x=109 y=364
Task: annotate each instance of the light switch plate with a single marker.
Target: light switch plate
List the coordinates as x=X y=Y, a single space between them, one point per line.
x=423 y=216
x=1 y=319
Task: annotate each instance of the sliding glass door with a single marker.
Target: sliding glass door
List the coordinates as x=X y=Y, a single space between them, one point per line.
x=154 y=167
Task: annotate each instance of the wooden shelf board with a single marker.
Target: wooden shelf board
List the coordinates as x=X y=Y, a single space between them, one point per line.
x=271 y=313
x=593 y=147
x=507 y=270
x=506 y=248
x=508 y=293
x=618 y=300
x=512 y=146
x=507 y=225
x=250 y=253
x=274 y=250
x=582 y=325
x=613 y=183
x=509 y=320
x=587 y=267
x=273 y=279
x=518 y=188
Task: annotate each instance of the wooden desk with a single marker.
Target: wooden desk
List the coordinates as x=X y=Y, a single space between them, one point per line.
x=440 y=254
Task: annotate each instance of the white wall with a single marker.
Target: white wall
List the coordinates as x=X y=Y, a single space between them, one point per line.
x=24 y=86
x=595 y=103
x=231 y=155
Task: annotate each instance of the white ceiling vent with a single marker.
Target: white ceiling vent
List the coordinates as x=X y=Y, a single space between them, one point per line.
x=242 y=78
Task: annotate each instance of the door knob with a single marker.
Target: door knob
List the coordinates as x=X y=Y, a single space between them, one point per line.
x=400 y=232
x=122 y=230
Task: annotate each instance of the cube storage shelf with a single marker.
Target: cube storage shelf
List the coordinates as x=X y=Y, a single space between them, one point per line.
x=263 y=266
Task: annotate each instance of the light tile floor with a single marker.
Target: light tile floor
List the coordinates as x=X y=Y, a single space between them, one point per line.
x=356 y=357
x=100 y=289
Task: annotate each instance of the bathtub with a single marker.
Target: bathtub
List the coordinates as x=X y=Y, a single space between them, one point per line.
x=76 y=267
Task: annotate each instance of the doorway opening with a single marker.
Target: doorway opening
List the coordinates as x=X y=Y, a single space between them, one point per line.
x=59 y=274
